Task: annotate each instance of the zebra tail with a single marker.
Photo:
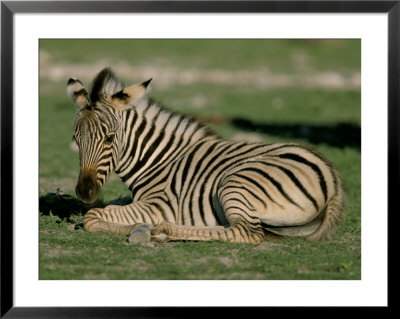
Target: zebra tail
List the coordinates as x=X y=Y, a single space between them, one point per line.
x=334 y=214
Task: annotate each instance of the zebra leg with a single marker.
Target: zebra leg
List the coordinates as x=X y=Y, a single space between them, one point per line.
x=165 y=232
x=119 y=219
x=241 y=209
x=96 y=221
x=99 y=219
x=238 y=232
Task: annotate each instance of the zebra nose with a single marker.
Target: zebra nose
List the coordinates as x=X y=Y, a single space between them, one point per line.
x=87 y=188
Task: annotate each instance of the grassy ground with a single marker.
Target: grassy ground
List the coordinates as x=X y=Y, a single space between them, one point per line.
x=231 y=86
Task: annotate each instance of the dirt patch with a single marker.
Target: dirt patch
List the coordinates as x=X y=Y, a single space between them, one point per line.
x=52 y=184
x=227 y=261
x=166 y=76
x=240 y=276
x=96 y=277
x=139 y=265
x=269 y=245
x=65 y=184
x=52 y=253
x=351 y=241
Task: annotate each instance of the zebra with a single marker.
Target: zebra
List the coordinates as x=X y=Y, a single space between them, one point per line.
x=189 y=184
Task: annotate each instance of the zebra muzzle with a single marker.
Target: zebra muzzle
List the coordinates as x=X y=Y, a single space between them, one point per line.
x=87 y=188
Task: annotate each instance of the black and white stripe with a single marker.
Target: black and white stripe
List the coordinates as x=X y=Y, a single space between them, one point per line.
x=181 y=173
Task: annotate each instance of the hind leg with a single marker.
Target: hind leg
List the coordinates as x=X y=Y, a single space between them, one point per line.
x=238 y=232
x=244 y=225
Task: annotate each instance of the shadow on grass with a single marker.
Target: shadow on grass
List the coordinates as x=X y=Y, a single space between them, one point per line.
x=61 y=205
x=339 y=135
x=64 y=205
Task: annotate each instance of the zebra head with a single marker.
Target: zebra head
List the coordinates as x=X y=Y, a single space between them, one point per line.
x=97 y=128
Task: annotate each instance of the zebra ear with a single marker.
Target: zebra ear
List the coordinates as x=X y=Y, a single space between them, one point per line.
x=77 y=92
x=129 y=96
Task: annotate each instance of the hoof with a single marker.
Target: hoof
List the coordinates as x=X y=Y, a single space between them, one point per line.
x=161 y=238
x=140 y=234
x=161 y=232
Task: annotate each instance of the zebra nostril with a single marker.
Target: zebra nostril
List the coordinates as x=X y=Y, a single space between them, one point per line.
x=87 y=188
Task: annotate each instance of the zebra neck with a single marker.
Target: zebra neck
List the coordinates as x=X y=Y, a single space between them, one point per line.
x=154 y=137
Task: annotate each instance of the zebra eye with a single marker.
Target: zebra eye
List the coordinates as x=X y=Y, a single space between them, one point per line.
x=110 y=138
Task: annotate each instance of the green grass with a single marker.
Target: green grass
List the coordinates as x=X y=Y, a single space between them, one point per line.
x=80 y=255
x=276 y=55
x=328 y=120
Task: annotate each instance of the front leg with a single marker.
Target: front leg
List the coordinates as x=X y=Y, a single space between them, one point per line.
x=121 y=219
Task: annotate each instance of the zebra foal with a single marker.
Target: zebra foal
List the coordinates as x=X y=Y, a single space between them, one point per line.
x=186 y=183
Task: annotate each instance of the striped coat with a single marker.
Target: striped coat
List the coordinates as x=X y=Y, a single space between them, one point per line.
x=188 y=184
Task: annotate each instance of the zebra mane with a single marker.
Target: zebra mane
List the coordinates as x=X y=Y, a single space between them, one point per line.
x=105 y=84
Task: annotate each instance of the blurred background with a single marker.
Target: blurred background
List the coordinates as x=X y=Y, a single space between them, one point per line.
x=305 y=91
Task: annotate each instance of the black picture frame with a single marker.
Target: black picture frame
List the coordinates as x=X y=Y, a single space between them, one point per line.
x=9 y=8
